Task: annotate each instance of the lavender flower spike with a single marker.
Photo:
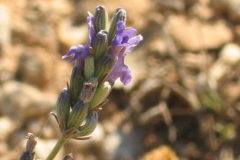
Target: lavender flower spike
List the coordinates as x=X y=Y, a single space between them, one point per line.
x=97 y=65
x=123 y=42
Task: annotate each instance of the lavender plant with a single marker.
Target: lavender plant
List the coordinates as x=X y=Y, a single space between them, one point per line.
x=97 y=66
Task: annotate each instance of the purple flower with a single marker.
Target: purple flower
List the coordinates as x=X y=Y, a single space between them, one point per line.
x=80 y=52
x=122 y=44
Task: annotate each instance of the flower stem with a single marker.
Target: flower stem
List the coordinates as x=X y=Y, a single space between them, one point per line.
x=62 y=140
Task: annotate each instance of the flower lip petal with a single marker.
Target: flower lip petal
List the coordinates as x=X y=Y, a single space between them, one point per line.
x=76 y=51
x=130 y=32
x=133 y=42
x=126 y=76
x=71 y=51
x=74 y=58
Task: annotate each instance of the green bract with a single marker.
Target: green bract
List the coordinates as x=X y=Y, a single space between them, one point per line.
x=100 y=95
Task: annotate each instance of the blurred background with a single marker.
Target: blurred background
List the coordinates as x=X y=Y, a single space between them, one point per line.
x=182 y=104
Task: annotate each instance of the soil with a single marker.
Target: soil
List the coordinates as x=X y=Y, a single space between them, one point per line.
x=182 y=104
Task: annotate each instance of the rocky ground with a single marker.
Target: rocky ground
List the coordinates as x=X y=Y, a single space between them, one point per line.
x=183 y=102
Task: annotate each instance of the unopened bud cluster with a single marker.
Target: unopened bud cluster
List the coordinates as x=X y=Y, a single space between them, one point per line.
x=98 y=65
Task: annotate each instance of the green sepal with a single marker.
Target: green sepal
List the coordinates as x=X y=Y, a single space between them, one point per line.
x=63 y=108
x=76 y=83
x=104 y=67
x=100 y=19
x=100 y=45
x=100 y=95
x=89 y=67
x=89 y=126
x=77 y=115
x=120 y=15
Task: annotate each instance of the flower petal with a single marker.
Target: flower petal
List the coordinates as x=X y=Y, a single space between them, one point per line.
x=122 y=35
x=120 y=27
x=77 y=51
x=91 y=30
x=81 y=58
x=71 y=51
x=130 y=32
x=133 y=42
x=126 y=76
x=119 y=70
x=122 y=71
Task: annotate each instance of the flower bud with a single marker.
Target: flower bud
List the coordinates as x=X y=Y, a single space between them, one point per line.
x=89 y=126
x=63 y=108
x=88 y=90
x=100 y=44
x=100 y=19
x=68 y=157
x=28 y=154
x=104 y=67
x=76 y=83
x=120 y=15
x=100 y=95
x=77 y=115
x=89 y=67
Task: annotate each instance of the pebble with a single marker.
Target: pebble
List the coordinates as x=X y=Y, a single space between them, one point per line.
x=71 y=35
x=192 y=35
x=5 y=28
x=21 y=101
x=162 y=152
x=120 y=145
x=7 y=128
x=229 y=56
